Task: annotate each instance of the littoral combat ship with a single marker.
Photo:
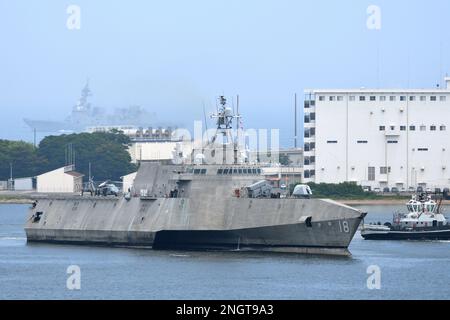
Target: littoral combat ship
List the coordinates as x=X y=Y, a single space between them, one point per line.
x=224 y=205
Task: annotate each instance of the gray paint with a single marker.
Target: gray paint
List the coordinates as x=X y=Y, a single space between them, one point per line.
x=207 y=207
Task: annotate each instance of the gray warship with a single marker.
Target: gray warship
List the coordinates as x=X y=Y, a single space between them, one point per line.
x=197 y=205
x=84 y=115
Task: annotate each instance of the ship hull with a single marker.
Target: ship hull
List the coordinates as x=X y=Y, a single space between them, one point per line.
x=279 y=225
x=443 y=234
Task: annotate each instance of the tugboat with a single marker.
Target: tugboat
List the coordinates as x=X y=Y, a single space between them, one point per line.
x=424 y=221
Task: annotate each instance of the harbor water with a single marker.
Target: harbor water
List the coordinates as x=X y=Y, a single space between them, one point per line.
x=408 y=269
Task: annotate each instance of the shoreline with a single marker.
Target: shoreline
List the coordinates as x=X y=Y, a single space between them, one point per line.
x=380 y=202
x=31 y=197
x=15 y=201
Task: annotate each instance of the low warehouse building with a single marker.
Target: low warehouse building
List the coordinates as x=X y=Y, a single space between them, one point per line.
x=62 y=180
x=24 y=184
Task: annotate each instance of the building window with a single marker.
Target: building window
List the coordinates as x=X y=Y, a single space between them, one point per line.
x=402 y=98
x=412 y=128
x=307 y=118
x=412 y=98
x=321 y=98
x=443 y=98
x=433 y=128
x=433 y=98
x=331 y=98
x=312 y=116
x=423 y=127
x=392 y=98
x=362 y=98
x=362 y=141
x=422 y=149
x=373 y=98
x=307 y=133
x=385 y=170
x=402 y=128
x=423 y=98
x=312 y=159
x=382 y=128
x=306 y=161
x=392 y=128
x=352 y=98
x=371 y=174
x=310 y=146
x=340 y=98
x=382 y=98
x=442 y=128
x=332 y=141
x=392 y=141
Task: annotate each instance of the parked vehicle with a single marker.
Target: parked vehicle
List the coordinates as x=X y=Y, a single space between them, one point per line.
x=386 y=189
x=394 y=189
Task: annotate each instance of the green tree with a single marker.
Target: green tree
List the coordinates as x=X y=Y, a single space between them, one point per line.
x=21 y=155
x=284 y=159
x=336 y=190
x=107 y=153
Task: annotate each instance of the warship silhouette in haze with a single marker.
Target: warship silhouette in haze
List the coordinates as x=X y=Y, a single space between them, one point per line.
x=84 y=115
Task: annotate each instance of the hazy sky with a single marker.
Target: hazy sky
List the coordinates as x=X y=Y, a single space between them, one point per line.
x=170 y=56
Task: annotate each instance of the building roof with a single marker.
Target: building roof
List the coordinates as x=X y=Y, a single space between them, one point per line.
x=75 y=174
x=380 y=91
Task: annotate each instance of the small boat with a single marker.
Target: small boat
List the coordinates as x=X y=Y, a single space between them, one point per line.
x=423 y=221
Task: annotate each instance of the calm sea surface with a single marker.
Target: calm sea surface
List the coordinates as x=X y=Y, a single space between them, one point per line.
x=409 y=270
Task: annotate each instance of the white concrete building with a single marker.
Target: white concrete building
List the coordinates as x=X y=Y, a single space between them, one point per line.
x=128 y=181
x=61 y=180
x=378 y=137
x=158 y=150
x=283 y=175
x=23 y=184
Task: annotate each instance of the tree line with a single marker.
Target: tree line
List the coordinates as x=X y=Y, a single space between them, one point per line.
x=105 y=151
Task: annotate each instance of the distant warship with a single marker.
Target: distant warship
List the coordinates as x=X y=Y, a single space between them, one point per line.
x=198 y=205
x=83 y=115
